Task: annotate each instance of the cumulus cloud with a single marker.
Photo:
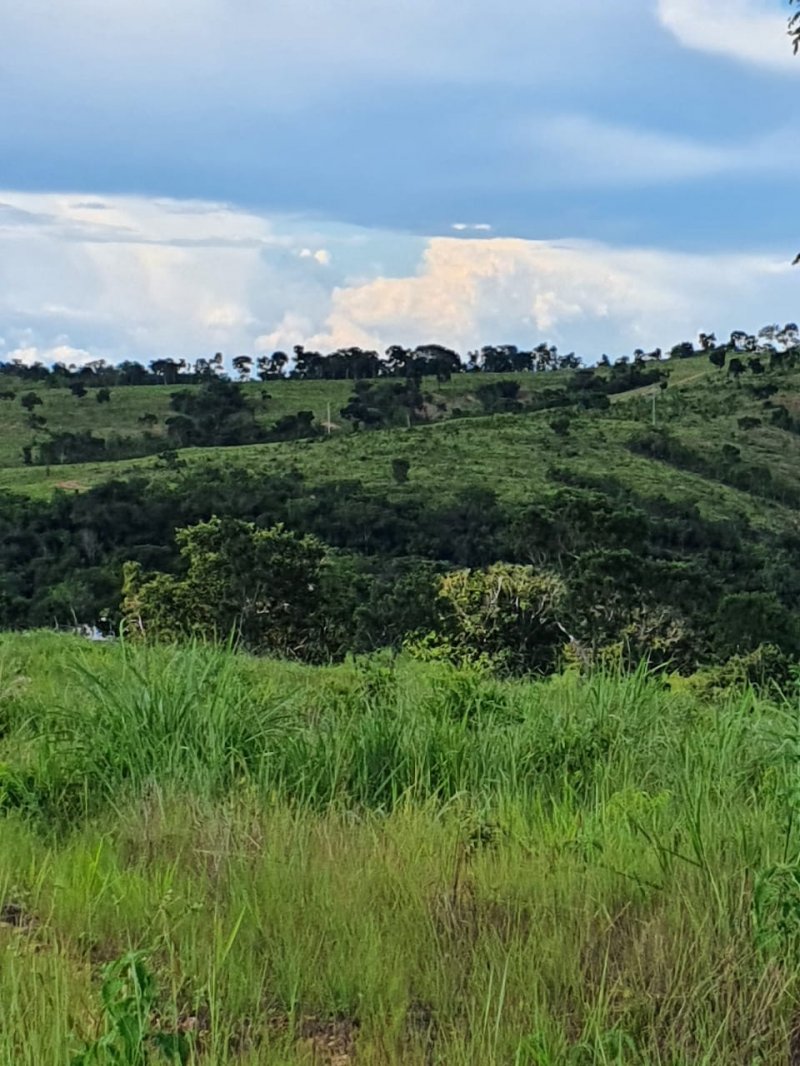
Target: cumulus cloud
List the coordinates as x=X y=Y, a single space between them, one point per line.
x=153 y=278
x=143 y=278
x=749 y=31
x=321 y=256
x=582 y=295
x=58 y=353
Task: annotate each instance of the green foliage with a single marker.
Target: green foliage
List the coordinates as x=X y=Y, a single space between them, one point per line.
x=259 y=585
x=419 y=864
x=218 y=412
x=129 y=997
x=387 y=403
x=649 y=530
x=400 y=469
x=29 y=400
x=747 y=620
x=501 y=397
x=505 y=615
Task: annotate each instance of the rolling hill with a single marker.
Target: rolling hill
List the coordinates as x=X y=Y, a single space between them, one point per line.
x=669 y=511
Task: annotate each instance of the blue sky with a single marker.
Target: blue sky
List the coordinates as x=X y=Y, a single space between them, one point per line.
x=237 y=174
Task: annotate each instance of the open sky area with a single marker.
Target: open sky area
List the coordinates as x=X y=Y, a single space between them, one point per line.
x=241 y=175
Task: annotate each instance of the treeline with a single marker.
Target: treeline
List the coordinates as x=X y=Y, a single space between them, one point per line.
x=590 y=570
x=355 y=364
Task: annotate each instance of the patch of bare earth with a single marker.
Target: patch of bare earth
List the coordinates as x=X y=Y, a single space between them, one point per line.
x=330 y=1041
x=14 y=916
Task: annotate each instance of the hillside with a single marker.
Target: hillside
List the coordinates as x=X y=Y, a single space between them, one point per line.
x=129 y=405
x=668 y=512
x=507 y=453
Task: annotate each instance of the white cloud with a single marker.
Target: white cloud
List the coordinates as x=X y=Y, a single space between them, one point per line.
x=60 y=353
x=149 y=278
x=749 y=31
x=586 y=296
x=474 y=227
x=321 y=256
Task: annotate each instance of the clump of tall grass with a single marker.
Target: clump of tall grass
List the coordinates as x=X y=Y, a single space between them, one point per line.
x=367 y=735
x=186 y=719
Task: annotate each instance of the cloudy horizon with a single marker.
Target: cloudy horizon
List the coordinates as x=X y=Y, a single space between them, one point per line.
x=221 y=177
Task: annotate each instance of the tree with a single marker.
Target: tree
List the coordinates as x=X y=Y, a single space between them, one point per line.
x=78 y=390
x=103 y=395
x=400 y=469
x=684 y=350
x=794 y=27
x=716 y=357
x=505 y=614
x=269 y=367
x=243 y=365
x=294 y=427
x=744 y=620
x=166 y=369
x=735 y=368
x=217 y=413
x=560 y=425
x=259 y=585
x=29 y=400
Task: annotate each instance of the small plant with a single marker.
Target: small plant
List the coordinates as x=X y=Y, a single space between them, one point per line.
x=170 y=459
x=776 y=907
x=560 y=425
x=132 y=1036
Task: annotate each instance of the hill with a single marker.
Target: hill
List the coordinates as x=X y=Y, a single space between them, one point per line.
x=663 y=500
x=509 y=453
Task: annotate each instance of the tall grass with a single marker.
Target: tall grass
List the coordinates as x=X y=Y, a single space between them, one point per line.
x=381 y=863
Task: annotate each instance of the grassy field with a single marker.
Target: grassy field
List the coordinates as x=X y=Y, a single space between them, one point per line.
x=390 y=863
x=272 y=400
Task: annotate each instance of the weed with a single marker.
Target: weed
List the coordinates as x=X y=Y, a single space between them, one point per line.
x=132 y=1037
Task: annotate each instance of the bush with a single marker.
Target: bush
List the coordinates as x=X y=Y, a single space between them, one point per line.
x=504 y=615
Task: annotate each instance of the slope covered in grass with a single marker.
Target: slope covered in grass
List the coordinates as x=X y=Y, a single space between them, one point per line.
x=387 y=863
x=128 y=405
x=510 y=454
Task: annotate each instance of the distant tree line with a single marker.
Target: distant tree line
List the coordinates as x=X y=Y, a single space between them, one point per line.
x=358 y=364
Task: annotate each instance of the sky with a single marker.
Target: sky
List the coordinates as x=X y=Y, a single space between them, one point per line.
x=245 y=175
